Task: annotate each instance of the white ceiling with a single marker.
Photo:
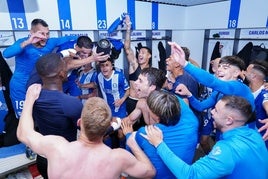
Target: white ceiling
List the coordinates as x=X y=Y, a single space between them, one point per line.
x=184 y=2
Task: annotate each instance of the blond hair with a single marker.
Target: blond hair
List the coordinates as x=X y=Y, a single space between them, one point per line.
x=96 y=117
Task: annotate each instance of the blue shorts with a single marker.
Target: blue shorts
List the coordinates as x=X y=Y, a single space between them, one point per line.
x=17 y=96
x=207 y=127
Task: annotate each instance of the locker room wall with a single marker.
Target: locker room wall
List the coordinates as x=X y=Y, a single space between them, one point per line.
x=188 y=24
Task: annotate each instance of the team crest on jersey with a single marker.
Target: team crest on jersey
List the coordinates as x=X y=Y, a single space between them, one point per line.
x=265 y=96
x=115 y=85
x=216 y=151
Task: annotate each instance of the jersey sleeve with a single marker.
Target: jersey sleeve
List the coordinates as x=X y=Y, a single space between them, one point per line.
x=209 y=80
x=205 y=104
x=61 y=40
x=14 y=49
x=217 y=164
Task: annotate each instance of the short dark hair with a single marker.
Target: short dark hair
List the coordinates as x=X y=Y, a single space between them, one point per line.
x=155 y=76
x=166 y=106
x=148 y=49
x=84 y=41
x=150 y=52
x=187 y=53
x=261 y=66
x=39 y=21
x=234 y=61
x=49 y=65
x=239 y=104
x=108 y=59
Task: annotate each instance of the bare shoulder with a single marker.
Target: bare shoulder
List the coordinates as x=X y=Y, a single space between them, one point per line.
x=51 y=145
x=122 y=155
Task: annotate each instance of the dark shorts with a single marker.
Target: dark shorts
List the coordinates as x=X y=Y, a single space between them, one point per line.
x=42 y=166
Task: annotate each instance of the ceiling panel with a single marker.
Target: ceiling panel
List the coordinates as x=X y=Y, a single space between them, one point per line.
x=185 y=2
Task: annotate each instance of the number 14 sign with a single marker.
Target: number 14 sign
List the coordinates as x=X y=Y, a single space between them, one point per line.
x=65 y=15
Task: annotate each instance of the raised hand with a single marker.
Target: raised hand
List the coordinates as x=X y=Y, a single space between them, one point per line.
x=127 y=22
x=33 y=92
x=177 y=53
x=36 y=37
x=98 y=56
x=181 y=89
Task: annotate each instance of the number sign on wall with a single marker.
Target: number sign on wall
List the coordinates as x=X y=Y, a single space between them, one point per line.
x=65 y=15
x=101 y=14
x=17 y=15
x=234 y=14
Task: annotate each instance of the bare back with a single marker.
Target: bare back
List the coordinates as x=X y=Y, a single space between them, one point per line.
x=84 y=161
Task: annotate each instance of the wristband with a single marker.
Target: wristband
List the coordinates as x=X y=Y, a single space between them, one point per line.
x=185 y=64
x=66 y=53
x=116 y=125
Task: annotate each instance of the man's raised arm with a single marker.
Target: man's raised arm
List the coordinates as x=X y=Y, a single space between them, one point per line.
x=25 y=132
x=133 y=64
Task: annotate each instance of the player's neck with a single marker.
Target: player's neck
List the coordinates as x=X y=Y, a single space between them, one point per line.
x=254 y=86
x=52 y=86
x=87 y=142
x=145 y=65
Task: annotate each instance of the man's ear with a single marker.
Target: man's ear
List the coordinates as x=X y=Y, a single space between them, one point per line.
x=229 y=120
x=63 y=75
x=79 y=122
x=237 y=73
x=152 y=87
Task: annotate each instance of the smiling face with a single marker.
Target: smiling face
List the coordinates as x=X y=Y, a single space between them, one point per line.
x=227 y=72
x=171 y=64
x=83 y=52
x=44 y=31
x=144 y=56
x=106 y=68
x=218 y=114
x=231 y=112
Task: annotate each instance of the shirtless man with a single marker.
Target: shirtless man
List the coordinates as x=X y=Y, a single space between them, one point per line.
x=135 y=67
x=150 y=79
x=86 y=157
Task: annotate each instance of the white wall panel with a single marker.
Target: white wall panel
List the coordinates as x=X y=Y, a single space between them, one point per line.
x=253 y=13
x=5 y=23
x=114 y=10
x=84 y=14
x=208 y=16
x=47 y=10
x=143 y=15
x=171 y=17
x=193 y=39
